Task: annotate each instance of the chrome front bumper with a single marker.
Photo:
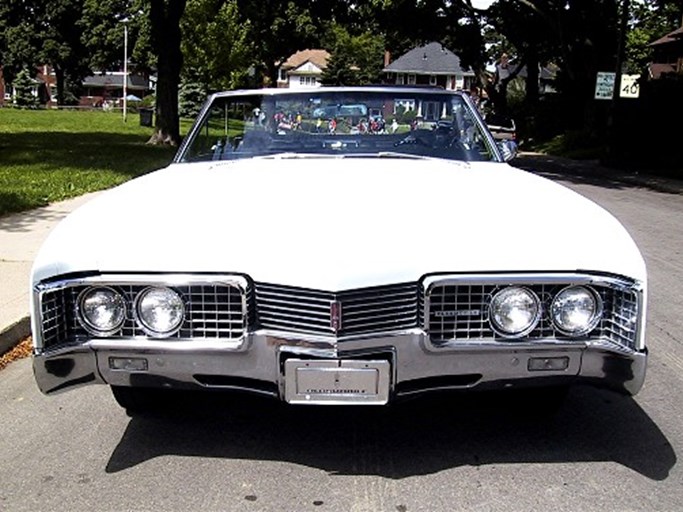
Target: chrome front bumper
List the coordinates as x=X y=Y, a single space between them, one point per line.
x=257 y=364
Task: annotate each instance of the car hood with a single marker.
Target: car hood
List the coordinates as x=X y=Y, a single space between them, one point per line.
x=339 y=223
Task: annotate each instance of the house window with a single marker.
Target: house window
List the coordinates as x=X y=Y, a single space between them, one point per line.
x=411 y=80
x=281 y=75
x=399 y=79
x=432 y=79
x=307 y=81
x=431 y=110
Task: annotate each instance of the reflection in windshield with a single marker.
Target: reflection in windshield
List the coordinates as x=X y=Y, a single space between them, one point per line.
x=381 y=122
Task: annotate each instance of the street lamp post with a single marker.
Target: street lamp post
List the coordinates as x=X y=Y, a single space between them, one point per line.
x=125 y=69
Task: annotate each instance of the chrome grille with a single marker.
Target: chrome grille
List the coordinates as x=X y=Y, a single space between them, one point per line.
x=213 y=311
x=366 y=310
x=459 y=312
x=621 y=324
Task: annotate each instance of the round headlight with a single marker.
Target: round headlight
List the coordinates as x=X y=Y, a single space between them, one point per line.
x=514 y=311
x=101 y=310
x=576 y=311
x=160 y=311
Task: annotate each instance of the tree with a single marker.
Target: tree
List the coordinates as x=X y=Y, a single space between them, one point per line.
x=23 y=89
x=102 y=25
x=155 y=37
x=44 y=32
x=164 y=17
x=19 y=39
x=216 y=46
x=354 y=60
x=62 y=48
x=279 y=29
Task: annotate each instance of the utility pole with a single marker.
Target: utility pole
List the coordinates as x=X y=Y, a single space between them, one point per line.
x=621 y=48
x=612 y=135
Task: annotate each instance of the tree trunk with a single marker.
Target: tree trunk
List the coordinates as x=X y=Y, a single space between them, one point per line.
x=271 y=72
x=165 y=24
x=532 y=76
x=59 y=77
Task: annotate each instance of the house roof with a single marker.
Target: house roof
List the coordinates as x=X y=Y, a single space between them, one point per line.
x=116 y=81
x=671 y=37
x=431 y=59
x=546 y=73
x=317 y=57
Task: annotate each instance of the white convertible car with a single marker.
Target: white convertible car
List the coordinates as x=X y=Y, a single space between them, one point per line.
x=338 y=246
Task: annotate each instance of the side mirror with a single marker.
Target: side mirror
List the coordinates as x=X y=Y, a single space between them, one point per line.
x=508 y=148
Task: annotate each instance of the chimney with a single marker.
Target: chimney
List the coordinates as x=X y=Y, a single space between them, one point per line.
x=387 y=58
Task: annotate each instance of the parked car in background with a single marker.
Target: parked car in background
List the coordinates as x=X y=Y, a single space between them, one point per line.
x=501 y=127
x=338 y=267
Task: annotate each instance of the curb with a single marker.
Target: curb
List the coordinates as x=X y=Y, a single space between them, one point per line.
x=12 y=335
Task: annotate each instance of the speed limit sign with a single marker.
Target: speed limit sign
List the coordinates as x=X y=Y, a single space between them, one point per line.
x=630 y=88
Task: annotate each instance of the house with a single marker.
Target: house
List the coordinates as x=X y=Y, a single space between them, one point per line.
x=546 y=77
x=96 y=89
x=303 y=70
x=432 y=64
x=108 y=86
x=668 y=54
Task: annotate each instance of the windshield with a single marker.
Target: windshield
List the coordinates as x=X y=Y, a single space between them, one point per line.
x=382 y=122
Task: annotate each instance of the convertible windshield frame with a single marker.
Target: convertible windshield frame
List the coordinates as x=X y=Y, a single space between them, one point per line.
x=337 y=122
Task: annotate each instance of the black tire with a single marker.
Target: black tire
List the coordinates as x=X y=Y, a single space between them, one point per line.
x=137 y=401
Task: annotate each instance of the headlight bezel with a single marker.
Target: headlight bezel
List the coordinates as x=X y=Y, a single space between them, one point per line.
x=532 y=324
x=87 y=323
x=142 y=322
x=595 y=318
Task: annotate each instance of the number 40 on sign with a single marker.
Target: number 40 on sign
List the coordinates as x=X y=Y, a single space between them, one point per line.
x=630 y=87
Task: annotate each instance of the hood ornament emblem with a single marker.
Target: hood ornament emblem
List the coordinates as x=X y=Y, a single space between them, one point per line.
x=335 y=316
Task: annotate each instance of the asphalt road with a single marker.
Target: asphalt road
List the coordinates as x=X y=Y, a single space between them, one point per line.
x=79 y=451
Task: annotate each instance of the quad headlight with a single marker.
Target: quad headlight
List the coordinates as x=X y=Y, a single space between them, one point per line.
x=160 y=311
x=576 y=310
x=101 y=310
x=514 y=311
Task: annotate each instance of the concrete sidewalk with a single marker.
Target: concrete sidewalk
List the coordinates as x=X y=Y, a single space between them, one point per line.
x=21 y=235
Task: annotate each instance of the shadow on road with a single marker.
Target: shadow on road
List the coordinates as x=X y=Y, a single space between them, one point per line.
x=590 y=172
x=408 y=439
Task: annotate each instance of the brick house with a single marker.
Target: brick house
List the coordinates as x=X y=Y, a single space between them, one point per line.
x=97 y=88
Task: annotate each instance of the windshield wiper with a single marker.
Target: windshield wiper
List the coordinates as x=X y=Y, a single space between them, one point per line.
x=293 y=156
x=396 y=154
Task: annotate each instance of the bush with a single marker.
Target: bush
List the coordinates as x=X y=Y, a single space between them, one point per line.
x=23 y=87
x=404 y=116
x=191 y=97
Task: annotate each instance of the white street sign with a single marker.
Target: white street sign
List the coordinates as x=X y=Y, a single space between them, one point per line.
x=604 y=85
x=629 y=88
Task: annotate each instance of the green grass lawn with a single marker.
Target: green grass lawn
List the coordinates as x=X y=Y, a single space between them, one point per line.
x=51 y=155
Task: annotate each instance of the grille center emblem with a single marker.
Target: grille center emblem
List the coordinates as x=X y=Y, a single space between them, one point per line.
x=335 y=316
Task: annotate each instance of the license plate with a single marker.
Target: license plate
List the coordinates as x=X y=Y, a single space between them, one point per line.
x=336 y=381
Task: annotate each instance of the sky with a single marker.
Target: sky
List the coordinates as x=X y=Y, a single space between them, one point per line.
x=481 y=4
